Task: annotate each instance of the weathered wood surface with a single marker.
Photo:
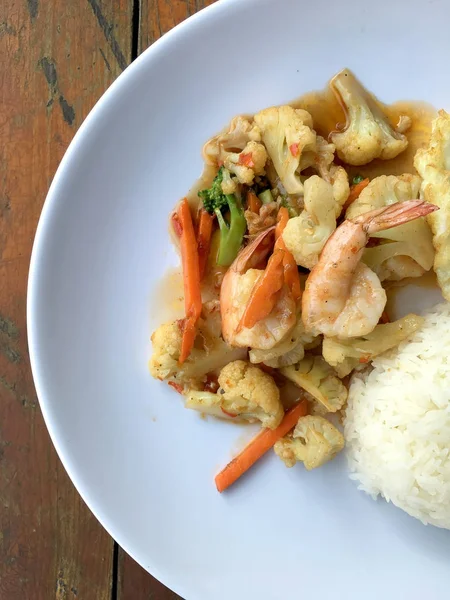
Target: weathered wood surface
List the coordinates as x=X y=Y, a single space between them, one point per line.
x=56 y=59
x=157 y=17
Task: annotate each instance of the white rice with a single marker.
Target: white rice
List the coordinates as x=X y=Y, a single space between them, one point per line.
x=397 y=424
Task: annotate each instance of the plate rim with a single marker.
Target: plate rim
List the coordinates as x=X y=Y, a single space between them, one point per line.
x=37 y=264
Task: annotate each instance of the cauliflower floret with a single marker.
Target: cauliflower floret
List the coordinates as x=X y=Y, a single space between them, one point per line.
x=228 y=184
x=341 y=187
x=247 y=391
x=166 y=342
x=246 y=165
x=368 y=134
x=206 y=403
x=306 y=235
x=320 y=158
x=240 y=132
x=314 y=442
x=346 y=355
x=433 y=165
x=287 y=134
x=247 y=394
x=290 y=350
x=410 y=252
x=214 y=405
x=209 y=354
x=316 y=377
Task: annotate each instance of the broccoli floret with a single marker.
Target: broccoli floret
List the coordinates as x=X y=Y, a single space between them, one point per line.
x=232 y=233
x=214 y=197
x=357 y=179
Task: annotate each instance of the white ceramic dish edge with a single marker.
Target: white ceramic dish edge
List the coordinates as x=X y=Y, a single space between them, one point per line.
x=44 y=220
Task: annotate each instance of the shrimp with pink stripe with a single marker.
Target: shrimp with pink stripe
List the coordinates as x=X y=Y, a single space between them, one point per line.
x=343 y=297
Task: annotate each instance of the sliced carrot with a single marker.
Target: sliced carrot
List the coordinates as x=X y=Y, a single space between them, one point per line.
x=363 y=360
x=191 y=278
x=176 y=224
x=253 y=202
x=291 y=276
x=204 y=240
x=176 y=386
x=384 y=317
x=231 y=415
x=246 y=160
x=282 y=220
x=294 y=149
x=188 y=339
x=258 y=447
x=355 y=191
x=281 y=268
x=265 y=293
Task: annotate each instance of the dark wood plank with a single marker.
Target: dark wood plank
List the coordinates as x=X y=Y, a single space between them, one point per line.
x=56 y=58
x=134 y=583
x=156 y=18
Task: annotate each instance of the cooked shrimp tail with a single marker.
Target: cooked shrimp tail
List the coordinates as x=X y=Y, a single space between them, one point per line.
x=254 y=253
x=394 y=215
x=343 y=297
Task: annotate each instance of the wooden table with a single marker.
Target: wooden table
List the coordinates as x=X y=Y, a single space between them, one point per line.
x=57 y=57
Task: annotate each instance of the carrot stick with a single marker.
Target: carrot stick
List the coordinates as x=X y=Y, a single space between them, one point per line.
x=187 y=342
x=264 y=294
x=204 y=239
x=253 y=202
x=258 y=447
x=282 y=220
x=291 y=276
x=191 y=278
x=176 y=224
x=355 y=192
x=280 y=269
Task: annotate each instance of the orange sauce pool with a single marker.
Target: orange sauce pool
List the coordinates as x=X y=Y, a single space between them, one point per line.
x=327 y=113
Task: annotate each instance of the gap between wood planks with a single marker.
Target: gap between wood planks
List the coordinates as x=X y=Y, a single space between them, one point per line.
x=115 y=572
x=135 y=25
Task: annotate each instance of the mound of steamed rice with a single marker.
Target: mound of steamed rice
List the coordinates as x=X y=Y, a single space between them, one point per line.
x=397 y=424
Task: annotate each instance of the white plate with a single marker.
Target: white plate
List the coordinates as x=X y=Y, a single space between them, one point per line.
x=143 y=464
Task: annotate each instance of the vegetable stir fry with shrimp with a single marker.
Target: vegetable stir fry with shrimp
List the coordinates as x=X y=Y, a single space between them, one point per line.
x=287 y=254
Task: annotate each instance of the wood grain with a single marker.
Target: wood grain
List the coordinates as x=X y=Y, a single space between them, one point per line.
x=157 y=17
x=134 y=583
x=56 y=59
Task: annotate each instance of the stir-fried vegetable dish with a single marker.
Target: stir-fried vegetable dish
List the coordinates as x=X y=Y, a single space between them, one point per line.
x=287 y=255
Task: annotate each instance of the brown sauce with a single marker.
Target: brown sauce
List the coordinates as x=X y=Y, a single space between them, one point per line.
x=411 y=295
x=327 y=113
x=168 y=299
x=324 y=109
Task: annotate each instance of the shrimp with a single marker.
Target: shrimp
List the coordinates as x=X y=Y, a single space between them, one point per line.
x=342 y=296
x=239 y=283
